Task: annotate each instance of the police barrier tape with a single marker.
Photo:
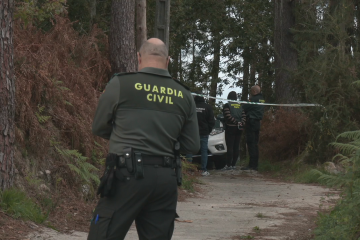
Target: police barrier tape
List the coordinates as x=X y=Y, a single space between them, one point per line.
x=268 y=104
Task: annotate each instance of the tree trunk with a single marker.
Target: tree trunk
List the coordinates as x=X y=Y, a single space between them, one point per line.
x=193 y=64
x=215 y=67
x=285 y=55
x=252 y=74
x=141 y=30
x=92 y=6
x=122 y=36
x=246 y=74
x=7 y=95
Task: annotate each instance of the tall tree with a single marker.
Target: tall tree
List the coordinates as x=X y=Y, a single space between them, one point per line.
x=122 y=36
x=215 y=66
x=285 y=55
x=141 y=30
x=7 y=94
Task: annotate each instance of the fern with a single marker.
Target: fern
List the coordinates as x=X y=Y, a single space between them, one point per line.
x=79 y=165
x=41 y=118
x=344 y=220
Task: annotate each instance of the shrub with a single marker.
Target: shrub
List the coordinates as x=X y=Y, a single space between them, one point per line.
x=60 y=75
x=283 y=134
x=16 y=203
x=343 y=222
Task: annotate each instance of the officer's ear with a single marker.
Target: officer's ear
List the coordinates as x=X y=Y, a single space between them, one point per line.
x=167 y=61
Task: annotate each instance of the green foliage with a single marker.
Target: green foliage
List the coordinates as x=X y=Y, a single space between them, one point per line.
x=39 y=12
x=86 y=13
x=342 y=223
x=42 y=118
x=189 y=178
x=85 y=171
x=247 y=237
x=328 y=60
x=15 y=202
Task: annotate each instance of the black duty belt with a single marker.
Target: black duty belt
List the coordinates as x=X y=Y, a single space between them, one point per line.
x=151 y=160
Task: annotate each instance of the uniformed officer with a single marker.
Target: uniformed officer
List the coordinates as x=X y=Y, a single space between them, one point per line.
x=254 y=114
x=147 y=111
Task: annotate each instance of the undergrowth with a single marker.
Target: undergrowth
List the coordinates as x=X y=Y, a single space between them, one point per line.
x=343 y=222
x=17 y=204
x=190 y=177
x=283 y=134
x=59 y=76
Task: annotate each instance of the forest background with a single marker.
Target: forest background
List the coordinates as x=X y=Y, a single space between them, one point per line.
x=296 y=50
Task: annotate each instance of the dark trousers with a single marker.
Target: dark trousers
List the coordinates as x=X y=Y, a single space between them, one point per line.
x=252 y=140
x=232 y=138
x=150 y=202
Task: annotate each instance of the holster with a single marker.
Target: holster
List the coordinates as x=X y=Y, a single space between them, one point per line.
x=177 y=160
x=106 y=187
x=134 y=163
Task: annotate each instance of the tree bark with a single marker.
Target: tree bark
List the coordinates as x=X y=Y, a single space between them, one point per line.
x=141 y=30
x=285 y=55
x=7 y=95
x=92 y=6
x=215 y=67
x=246 y=74
x=122 y=36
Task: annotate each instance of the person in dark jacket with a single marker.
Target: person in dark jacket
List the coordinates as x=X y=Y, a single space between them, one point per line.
x=254 y=114
x=234 y=125
x=206 y=122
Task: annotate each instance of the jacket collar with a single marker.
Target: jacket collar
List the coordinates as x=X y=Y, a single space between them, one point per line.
x=156 y=71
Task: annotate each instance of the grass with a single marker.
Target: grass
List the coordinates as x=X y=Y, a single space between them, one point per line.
x=260 y=215
x=247 y=237
x=293 y=171
x=16 y=203
x=189 y=179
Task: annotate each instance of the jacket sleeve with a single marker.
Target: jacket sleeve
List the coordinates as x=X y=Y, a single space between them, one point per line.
x=189 y=138
x=210 y=119
x=243 y=118
x=227 y=115
x=103 y=121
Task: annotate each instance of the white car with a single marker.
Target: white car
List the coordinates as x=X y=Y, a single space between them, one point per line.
x=217 y=144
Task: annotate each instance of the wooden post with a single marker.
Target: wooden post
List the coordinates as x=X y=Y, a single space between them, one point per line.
x=162 y=21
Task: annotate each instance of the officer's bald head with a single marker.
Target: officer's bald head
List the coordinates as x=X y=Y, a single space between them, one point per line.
x=255 y=90
x=153 y=53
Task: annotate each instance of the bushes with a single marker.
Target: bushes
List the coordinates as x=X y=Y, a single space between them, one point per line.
x=343 y=222
x=59 y=77
x=283 y=134
x=17 y=204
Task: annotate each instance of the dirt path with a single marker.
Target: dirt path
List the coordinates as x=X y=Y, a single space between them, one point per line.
x=240 y=205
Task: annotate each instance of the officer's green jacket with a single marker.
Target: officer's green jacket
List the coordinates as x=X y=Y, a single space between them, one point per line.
x=254 y=111
x=147 y=111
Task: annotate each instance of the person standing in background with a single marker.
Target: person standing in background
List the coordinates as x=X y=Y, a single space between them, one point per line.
x=234 y=125
x=206 y=122
x=254 y=114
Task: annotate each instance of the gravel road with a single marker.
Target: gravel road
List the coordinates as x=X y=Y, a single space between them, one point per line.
x=239 y=205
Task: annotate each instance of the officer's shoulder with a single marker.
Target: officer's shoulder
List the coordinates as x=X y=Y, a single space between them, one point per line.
x=122 y=74
x=183 y=85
